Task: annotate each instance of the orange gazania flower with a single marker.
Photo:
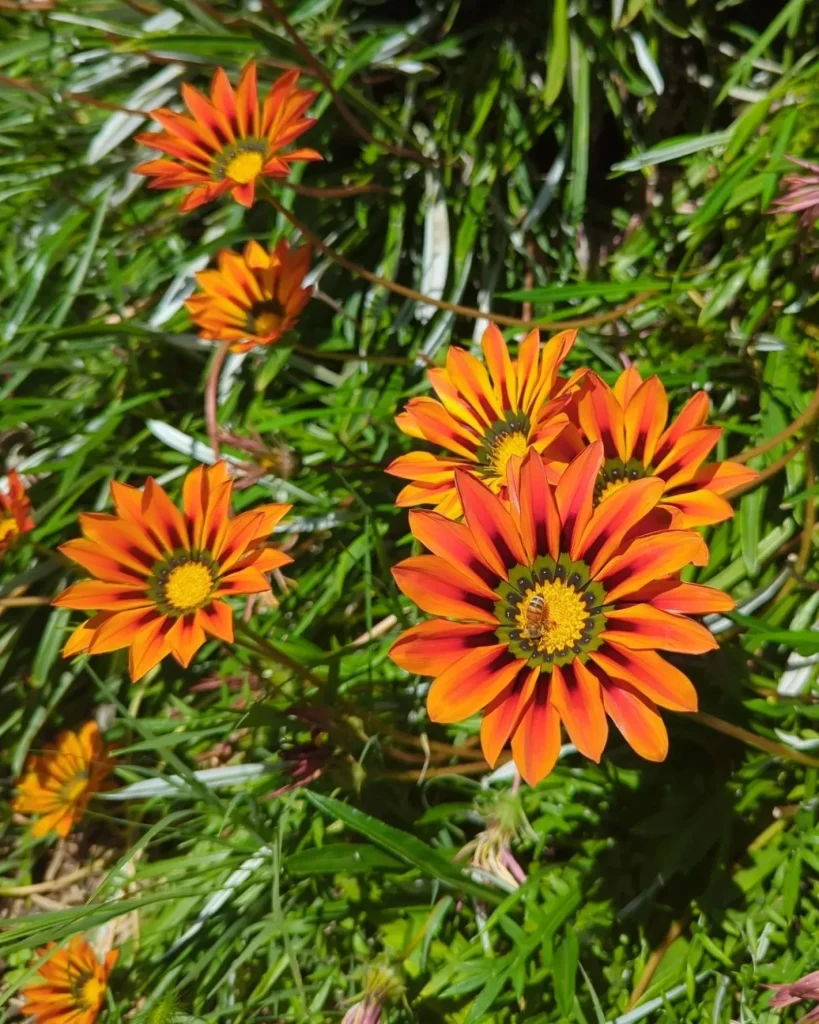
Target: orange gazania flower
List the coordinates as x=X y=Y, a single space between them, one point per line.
x=252 y=299
x=161 y=574
x=59 y=782
x=72 y=989
x=231 y=140
x=483 y=418
x=15 y=512
x=561 y=608
x=630 y=419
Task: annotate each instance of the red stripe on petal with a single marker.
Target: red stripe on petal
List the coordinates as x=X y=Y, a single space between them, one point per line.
x=601 y=416
x=453 y=542
x=471 y=683
x=164 y=518
x=574 y=495
x=501 y=717
x=149 y=647
x=638 y=720
x=684 y=458
x=431 y=647
x=648 y=673
x=575 y=692
x=641 y=627
x=614 y=517
x=694 y=414
x=185 y=638
x=698 y=508
x=98 y=595
x=500 y=367
x=437 y=588
x=644 y=420
x=650 y=558
x=536 y=741
x=217 y=619
x=469 y=376
x=539 y=518
x=496 y=536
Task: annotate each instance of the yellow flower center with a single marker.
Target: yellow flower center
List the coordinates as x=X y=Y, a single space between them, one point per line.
x=516 y=443
x=91 y=993
x=611 y=487
x=8 y=528
x=245 y=166
x=188 y=586
x=266 y=323
x=75 y=788
x=552 y=616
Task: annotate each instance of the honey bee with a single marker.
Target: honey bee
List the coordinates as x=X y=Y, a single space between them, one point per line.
x=535 y=618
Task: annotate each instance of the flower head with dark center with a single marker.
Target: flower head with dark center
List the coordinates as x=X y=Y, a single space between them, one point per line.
x=231 y=140
x=15 y=512
x=162 y=574
x=59 y=782
x=253 y=298
x=488 y=413
x=552 y=609
x=631 y=422
x=72 y=985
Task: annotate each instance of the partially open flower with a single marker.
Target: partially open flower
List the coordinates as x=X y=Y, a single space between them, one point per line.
x=72 y=985
x=800 y=193
x=162 y=574
x=381 y=986
x=59 y=782
x=253 y=298
x=487 y=414
x=231 y=140
x=795 y=992
x=15 y=512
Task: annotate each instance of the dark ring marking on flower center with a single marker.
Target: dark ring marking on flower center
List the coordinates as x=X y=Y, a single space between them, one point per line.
x=550 y=613
x=614 y=474
x=501 y=433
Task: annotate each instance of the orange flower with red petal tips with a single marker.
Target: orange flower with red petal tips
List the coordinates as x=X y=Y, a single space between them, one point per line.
x=630 y=419
x=560 y=609
x=162 y=575
x=59 y=782
x=72 y=986
x=486 y=415
x=15 y=512
x=252 y=299
x=231 y=140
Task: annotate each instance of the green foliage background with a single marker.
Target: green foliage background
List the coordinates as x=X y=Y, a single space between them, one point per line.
x=581 y=154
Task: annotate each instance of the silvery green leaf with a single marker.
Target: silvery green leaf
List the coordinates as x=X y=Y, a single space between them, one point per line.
x=647 y=63
x=435 y=256
x=175 y=785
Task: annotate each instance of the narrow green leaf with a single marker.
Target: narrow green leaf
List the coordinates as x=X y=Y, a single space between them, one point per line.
x=558 y=58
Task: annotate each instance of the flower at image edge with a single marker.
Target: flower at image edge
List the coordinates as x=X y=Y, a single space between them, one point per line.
x=253 y=298
x=630 y=419
x=231 y=140
x=59 y=782
x=72 y=986
x=15 y=509
x=561 y=608
x=162 y=574
x=487 y=414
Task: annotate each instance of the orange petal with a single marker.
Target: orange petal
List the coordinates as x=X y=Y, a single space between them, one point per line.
x=469 y=376
x=471 y=683
x=217 y=619
x=128 y=501
x=164 y=518
x=185 y=638
x=122 y=540
x=83 y=635
x=90 y=556
x=698 y=508
x=247 y=105
x=431 y=647
x=601 y=417
x=539 y=518
x=574 y=495
x=650 y=557
x=575 y=693
x=527 y=369
x=616 y=514
x=685 y=457
x=437 y=588
x=453 y=542
x=499 y=364
x=432 y=469
x=98 y=595
x=641 y=627
x=491 y=524
x=724 y=477
x=684 y=598
x=638 y=720
x=554 y=352
x=536 y=741
x=644 y=420
x=437 y=426
x=501 y=717
x=694 y=414
x=648 y=673
x=242 y=581
x=118 y=630
x=626 y=385
x=149 y=647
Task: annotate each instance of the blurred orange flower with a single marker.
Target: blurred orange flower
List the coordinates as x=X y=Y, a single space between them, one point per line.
x=59 y=782
x=253 y=298
x=73 y=985
x=161 y=573
x=231 y=140
x=560 y=608
x=483 y=418
x=15 y=509
x=630 y=419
